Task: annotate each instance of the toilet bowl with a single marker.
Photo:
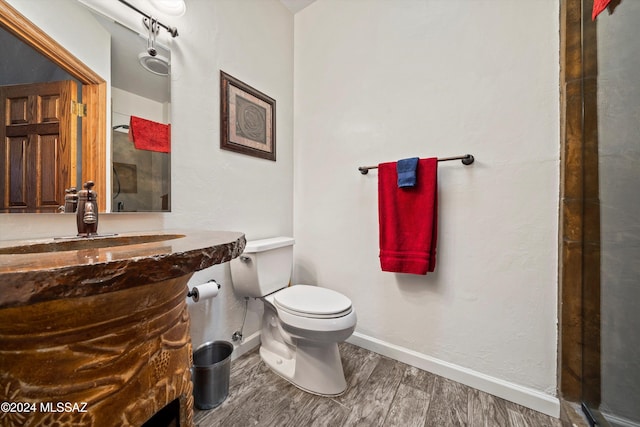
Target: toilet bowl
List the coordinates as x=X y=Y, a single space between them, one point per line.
x=302 y=324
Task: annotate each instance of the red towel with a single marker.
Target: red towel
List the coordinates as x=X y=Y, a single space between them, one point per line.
x=149 y=135
x=408 y=219
x=598 y=7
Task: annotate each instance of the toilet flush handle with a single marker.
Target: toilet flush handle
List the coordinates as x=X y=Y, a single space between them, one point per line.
x=245 y=258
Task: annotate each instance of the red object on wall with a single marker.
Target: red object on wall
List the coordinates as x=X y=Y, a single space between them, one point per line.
x=599 y=6
x=149 y=135
x=408 y=219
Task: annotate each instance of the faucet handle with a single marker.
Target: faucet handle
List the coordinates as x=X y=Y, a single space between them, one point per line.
x=88 y=192
x=90 y=215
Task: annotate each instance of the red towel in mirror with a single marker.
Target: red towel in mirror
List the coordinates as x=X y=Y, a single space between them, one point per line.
x=149 y=135
x=408 y=219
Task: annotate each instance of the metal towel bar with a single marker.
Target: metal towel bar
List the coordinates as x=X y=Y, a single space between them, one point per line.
x=467 y=159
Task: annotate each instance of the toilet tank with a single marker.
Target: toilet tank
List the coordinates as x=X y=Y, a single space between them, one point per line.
x=263 y=268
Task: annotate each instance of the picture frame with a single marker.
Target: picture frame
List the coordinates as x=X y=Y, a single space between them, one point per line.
x=247 y=119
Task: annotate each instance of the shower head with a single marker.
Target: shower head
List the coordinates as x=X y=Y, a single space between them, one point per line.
x=150 y=60
x=156 y=64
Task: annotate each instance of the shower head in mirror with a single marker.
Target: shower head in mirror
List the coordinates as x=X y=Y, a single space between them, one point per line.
x=156 y=64
x=150 y=60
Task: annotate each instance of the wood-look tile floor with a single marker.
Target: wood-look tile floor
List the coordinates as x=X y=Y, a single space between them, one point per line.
x=381 y=392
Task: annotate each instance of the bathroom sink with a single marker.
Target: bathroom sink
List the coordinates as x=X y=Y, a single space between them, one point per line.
x=81 y=243
x=40 y=270
x=109 y=313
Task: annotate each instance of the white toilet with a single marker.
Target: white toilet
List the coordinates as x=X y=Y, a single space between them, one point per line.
x=302 y=325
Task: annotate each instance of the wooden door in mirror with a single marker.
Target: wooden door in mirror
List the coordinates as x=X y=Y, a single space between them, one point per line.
x=94 y=95
x=38 y=138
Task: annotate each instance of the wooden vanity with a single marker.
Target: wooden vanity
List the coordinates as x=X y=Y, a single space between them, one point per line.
x=95 y=332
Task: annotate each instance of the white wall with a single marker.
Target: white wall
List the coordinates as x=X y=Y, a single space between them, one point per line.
x=216 y=189
x=212 y=189
x=378 y=81
x=125 y=104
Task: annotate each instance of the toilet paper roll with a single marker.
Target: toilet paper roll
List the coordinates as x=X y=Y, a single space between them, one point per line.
x=204 y=291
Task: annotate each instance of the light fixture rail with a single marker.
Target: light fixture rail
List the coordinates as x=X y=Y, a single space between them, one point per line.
x=172 y=30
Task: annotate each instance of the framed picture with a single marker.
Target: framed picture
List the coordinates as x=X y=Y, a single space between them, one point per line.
x=247 y=119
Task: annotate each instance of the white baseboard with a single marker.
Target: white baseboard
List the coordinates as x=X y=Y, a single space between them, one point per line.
x=533 y=399
x=247 y=344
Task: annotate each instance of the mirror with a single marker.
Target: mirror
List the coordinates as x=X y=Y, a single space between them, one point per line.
x=143 y=182
x=140 y=164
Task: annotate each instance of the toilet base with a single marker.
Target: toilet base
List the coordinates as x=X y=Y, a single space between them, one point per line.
x=314 y=369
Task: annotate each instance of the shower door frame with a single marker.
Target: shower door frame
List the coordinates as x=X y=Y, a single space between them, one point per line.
x=579 y=234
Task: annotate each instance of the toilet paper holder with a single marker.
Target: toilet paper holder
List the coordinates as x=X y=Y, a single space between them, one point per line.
x=194 y=294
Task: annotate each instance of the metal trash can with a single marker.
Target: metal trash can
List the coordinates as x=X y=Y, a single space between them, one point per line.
x=210 y=373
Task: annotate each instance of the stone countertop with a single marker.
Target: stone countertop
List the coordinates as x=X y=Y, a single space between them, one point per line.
x=33 y=271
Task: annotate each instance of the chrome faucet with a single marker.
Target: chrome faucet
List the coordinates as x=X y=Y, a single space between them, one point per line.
x=87 y=212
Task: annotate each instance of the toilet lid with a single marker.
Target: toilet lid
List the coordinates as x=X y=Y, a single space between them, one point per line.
x=312 y=301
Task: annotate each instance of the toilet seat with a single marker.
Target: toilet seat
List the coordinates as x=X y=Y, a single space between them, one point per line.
x=312 y=302
x=302 y=309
